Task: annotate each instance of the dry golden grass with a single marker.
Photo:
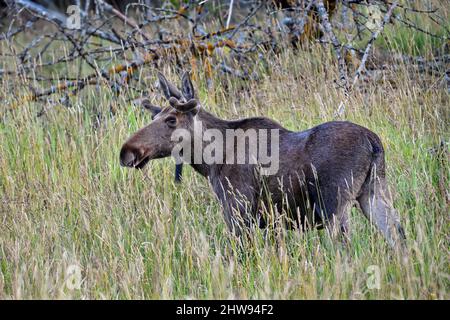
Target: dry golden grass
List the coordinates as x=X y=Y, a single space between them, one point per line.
x=66 y=203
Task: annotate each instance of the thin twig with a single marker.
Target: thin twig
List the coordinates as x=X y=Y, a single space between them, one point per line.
x=372 y=39
x=338 y=48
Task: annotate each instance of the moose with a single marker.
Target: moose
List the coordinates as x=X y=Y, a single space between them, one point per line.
x=321 y=172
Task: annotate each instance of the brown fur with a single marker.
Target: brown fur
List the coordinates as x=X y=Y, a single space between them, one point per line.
x=322 y=170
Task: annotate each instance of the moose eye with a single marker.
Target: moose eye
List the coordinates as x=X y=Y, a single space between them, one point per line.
x=171 y=121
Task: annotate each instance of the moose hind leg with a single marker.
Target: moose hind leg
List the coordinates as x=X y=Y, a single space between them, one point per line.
x=377 y=208
x=333 y=209
x=338 y=223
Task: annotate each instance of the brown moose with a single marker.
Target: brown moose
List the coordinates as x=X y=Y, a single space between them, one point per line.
x=322 y=171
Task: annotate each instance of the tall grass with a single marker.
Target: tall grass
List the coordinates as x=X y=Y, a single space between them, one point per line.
x=66 y=203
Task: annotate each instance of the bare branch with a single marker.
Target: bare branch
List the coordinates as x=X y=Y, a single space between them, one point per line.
x=374 y=36
x=338 y=48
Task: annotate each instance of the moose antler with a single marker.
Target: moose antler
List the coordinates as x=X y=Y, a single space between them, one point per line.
x=183 y=106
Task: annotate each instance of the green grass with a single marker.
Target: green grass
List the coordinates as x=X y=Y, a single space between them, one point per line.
x=66 y=201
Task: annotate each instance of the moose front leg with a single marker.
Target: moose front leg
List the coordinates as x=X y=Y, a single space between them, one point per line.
x=178 y=172
x=238 y=213
x=238 y=209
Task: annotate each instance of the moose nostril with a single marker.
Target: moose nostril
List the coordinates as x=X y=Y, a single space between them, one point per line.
x=127 y=158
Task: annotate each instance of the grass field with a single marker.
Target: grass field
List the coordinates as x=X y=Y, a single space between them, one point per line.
x=74 y=224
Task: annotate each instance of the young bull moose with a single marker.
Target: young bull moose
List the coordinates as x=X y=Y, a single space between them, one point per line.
x=321 y=171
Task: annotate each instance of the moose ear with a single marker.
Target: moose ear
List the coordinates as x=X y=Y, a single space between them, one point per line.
x=167 y=88
x=148 y=106
x=152 y=108
x=186 y=87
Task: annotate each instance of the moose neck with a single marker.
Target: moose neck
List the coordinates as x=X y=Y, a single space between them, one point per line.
x=209 y=121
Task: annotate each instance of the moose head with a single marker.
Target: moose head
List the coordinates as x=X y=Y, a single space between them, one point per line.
x=154 y=141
